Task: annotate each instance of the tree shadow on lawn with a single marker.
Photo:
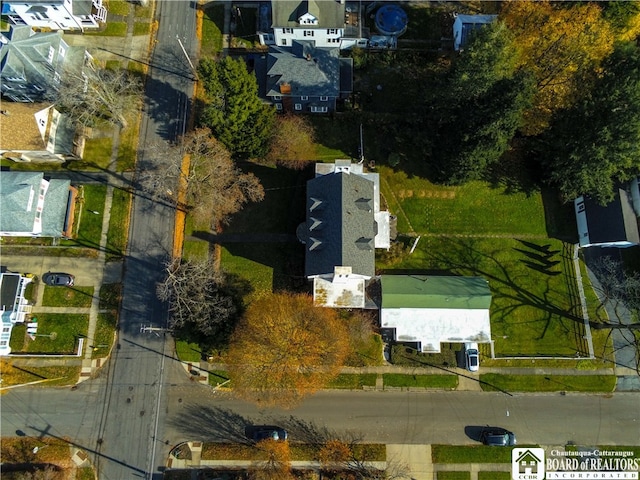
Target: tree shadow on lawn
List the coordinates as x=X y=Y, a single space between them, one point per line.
x=463 y=258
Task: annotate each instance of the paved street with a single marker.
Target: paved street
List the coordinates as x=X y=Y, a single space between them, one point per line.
x=193 y=412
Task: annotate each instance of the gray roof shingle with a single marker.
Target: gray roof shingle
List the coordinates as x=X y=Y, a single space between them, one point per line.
x=341 y=229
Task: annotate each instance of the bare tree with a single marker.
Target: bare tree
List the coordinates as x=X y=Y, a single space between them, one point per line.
x=199 y=298
x=214 y=187
x=95 y=95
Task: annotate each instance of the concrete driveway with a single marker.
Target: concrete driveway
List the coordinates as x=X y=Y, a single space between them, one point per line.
x=86 y=270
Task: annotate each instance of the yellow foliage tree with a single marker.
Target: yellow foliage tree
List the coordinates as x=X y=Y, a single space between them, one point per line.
x=562 y=46
x=277 y=465
x=284 y=348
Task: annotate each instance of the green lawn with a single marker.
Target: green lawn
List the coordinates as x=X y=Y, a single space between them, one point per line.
x=453 y=475
x=119 y=7
x=67 y=329
x=212 y=25
x=353 y=381
x=113 y=29
x=188 y=352
x=127 y=151
x=494 y=475
x=104 y=334
x=67 y=296
x=424 y=381
x=118 y=224
x=219 y=378
x=469 y=454
x=473 y=208
x=535 y=306
x=141 y=28
x=97 y=153
x=90 y=231
x=548 y=383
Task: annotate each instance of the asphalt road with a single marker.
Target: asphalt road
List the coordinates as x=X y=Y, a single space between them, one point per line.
x=129 y=398
x=194 y=413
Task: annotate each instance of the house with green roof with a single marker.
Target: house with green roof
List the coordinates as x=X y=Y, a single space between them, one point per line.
x=428 y=310
x=33 y=206
x=344 y=226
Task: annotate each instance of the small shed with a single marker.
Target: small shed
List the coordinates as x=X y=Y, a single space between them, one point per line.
x=465 y=25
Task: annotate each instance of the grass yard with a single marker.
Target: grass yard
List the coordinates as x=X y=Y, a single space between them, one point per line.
x=118 y=224
x=67 y=328
x=119 y=7
x=469 y=454
x=97 y=153
x=128 y=148
x=212 y=26
x=550 y=383
x=535 y=308
x=113 y=29
x=13 y=374
x=188 y=352
x=353 y=381
x=474 y=208
x=91 y=200
x=219 y=378
x=282 y=208
x=494 y=475
x=449 y=382
x=67 y=296
x=453 y=476
x=104 y=334
x=141 y=28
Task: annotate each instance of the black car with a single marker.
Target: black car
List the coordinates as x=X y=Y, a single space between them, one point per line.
x=497 y=437
x=264 y=432
x=58 y=279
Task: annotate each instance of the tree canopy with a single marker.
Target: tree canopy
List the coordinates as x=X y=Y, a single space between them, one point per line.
x=284 y=348
x=96 y=95
x=203 y=305
x=292 y=143
x=233 y=111
x=595 y=143
x=562 y=45
x=480 y=108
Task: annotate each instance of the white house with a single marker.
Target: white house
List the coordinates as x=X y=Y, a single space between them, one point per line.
x=68 y=15
x=344 y=226
x=36 y=132
x=427 y=310
x=322 y=21
x=13 y=306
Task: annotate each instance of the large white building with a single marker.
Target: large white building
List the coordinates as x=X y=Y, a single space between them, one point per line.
x=68 y=15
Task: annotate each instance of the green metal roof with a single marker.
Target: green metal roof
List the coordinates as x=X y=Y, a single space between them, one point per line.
x=424 y=291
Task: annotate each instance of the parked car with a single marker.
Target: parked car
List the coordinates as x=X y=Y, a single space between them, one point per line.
x=497 y=437
x=58 y=279
x=472 y=357
x=263 y=432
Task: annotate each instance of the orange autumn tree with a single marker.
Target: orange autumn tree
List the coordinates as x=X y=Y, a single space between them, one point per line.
x=284 y=348
x=562 y=46
x=276 y=465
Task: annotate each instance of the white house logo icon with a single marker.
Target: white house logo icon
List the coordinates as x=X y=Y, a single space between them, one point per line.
x=527 y=464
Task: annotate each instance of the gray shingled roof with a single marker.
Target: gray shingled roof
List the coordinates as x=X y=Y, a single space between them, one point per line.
x=309 y=70
x=340 y=224
x=15 y=190
x=25 y=69
x=614 y=222
x=330 y=13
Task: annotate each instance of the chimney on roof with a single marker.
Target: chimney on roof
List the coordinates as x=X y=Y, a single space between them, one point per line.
x=308 y=57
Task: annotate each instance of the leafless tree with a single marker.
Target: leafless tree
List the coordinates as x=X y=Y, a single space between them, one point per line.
x=201 y=167
x=198 y=297
x=93 y=95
